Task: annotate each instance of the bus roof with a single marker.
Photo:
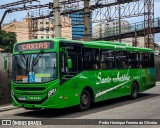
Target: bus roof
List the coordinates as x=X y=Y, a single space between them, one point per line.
x=98 y=44
x=111 y=43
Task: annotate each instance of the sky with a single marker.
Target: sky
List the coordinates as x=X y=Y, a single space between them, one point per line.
x=20 y=15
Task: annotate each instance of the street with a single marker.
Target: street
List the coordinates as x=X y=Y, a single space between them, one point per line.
x=147 y=106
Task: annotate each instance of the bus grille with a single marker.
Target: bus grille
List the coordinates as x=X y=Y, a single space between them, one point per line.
x=30 y=88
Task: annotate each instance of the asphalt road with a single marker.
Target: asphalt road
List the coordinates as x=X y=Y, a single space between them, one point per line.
x=147 y=106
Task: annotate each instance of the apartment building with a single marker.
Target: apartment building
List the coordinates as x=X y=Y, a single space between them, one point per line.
x=105 y=29
x=42 y=28
x=20 y=28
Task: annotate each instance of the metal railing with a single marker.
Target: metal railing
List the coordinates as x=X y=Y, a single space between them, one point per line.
x=124 y=29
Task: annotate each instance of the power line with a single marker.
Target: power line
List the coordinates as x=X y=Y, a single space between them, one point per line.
x=16 y=3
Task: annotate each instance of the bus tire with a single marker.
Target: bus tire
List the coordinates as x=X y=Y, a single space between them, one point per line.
x=134 y=91
x=85 y=100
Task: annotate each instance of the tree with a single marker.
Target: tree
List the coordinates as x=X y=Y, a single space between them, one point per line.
x=7 y=40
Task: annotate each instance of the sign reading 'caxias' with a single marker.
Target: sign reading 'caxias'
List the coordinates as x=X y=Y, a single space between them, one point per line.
x=33 y=46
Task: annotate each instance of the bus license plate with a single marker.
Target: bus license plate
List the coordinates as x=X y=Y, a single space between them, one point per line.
x=22 y=98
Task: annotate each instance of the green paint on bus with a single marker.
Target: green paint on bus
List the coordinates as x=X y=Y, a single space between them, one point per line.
x=58 y=73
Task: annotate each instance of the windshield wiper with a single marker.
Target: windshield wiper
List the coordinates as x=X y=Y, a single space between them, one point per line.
x=23 y=58
x=35 y=61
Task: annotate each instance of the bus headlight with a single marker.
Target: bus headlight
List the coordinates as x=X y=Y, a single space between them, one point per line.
x=51 y=92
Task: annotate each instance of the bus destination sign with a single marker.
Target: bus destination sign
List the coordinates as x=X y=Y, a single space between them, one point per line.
x=33 y=46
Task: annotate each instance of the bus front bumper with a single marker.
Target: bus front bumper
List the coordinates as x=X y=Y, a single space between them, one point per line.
x=53 y=101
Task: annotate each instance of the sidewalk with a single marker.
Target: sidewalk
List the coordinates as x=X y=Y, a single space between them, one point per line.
x=7 y=107
x=158 y=83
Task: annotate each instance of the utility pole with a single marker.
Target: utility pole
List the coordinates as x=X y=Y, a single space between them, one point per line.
x=119 y=21
x=86 y=21
x=57 y=20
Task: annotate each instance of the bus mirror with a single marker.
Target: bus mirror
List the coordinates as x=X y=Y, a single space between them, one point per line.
x=69 y=63
x=5 y=63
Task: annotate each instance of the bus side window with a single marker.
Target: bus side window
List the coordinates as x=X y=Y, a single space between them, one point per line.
x=90 y=58
x=144 y=60
x=151 y=60
x=133 y=60
x=74 y=57
x=107 y=59
x=121 y=60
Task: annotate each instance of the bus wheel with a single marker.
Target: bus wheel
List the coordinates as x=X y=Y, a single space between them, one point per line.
x=85 y=100
x=134 y=90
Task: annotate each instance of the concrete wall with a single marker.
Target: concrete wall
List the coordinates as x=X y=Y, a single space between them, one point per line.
x=5 y=78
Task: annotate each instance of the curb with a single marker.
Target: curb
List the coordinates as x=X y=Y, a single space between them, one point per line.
x=158 y=82
x=6 y=108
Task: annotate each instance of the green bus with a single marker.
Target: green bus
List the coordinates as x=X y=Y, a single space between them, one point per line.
x=58 y=73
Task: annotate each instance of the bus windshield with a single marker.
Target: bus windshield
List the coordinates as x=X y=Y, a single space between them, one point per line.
x=34 y=68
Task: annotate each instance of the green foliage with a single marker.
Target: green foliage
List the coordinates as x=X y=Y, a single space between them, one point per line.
x=7 y=40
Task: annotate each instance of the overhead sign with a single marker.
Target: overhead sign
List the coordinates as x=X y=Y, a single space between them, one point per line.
x=33 y=46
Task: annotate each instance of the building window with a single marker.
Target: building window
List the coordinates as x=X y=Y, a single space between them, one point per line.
x=47 y=36
x=35 y=37
x=41 y=28
x=42 y=37
x=41 y=22
x=47 y=22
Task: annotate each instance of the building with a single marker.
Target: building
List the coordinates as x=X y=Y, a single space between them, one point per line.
x=44 y=28
x=78 y=25
x=99 y=30
x=130 y=41
x=66 y=30
x=105 y=29
x=110 y=28
x=20 y=28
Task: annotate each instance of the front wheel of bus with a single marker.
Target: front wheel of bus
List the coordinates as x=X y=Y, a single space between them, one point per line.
x=84 y=100
x=134 y=90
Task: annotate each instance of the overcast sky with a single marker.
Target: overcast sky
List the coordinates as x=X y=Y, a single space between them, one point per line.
x=20 y=15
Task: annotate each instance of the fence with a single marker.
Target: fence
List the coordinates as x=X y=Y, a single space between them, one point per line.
x=5 y=78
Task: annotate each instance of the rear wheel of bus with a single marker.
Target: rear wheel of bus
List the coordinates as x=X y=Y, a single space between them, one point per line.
x=85 y=100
